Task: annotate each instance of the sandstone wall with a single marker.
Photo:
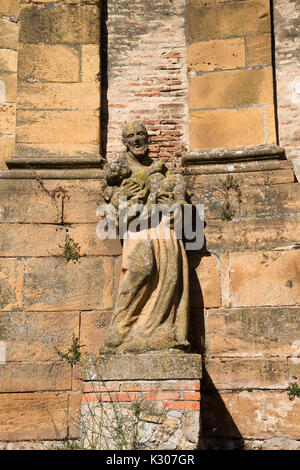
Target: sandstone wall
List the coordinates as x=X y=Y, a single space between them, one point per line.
x=244 y=304
x=9 y=34
x=58 y=79
x=244 y=283
x=245 y=301
x=230 y=73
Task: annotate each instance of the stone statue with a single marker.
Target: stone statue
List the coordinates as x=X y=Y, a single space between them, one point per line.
x=151 y=312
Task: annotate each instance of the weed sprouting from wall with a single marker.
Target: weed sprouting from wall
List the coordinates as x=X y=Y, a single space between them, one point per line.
x=228 y=187
x=71 y=250
x=73 y=354
x=293 y=391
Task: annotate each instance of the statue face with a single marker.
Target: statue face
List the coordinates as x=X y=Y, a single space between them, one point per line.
x=136 y=141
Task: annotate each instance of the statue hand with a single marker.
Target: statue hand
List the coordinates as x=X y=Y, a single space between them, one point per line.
x=165 y=198
x=131 y=188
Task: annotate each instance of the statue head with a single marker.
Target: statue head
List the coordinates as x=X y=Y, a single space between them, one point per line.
x=135 y=138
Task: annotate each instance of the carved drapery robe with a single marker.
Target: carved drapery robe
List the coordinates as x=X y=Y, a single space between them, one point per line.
x=151 y=312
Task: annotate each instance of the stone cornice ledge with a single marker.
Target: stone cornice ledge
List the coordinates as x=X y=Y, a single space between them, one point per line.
x=238 y=154
x=70 y=163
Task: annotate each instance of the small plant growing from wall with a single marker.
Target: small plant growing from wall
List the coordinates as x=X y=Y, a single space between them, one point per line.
x=73 y=354
x=293 y=391
x=71 y=250
x=226 y=188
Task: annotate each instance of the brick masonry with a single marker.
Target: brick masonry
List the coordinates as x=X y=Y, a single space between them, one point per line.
x=147 y=73
x=287 y=46
x=168 y=412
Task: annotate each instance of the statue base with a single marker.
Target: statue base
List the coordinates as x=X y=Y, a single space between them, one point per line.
x=141 y=401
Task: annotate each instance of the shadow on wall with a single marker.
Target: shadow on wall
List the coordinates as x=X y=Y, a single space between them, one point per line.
x=219 y=431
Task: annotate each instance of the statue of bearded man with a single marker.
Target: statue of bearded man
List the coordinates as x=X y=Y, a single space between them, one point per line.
x=151 y=312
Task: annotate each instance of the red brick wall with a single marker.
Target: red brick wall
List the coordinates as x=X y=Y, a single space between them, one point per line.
x=147 y=67
x=287 y=59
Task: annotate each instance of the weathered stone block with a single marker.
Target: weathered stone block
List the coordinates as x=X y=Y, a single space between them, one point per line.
x=225 y=280
x=7 y=147
x=93 y=329
x=90 y=63
x=294 y=364
x=286 y=32
x=253 y=331
x=9 y=34
x=55 y=126
x=270 y=200
x=22 y=377
x=227 y=19
x=82 y=203
x=8 y=61
x=244 y=234
x=217 y=128
x=245 y=174
x=12 y=280
x=33 y=415
x=8 y=88
x=34 y=337
x=256 y=415
x=91 y=244
x=60 y=23
x=52 y=63
x=259 y=49
x=24 y=201
x=57 y=149
x=232 y=88
x=7 y=118
x=270 y=124
x=244 y=373
x=31 y=240
x=9 y=7
x=270 y=278
x=264 y=200
x=218 y=54
x=55 y=284
x=204 y=281
x=59 y=95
